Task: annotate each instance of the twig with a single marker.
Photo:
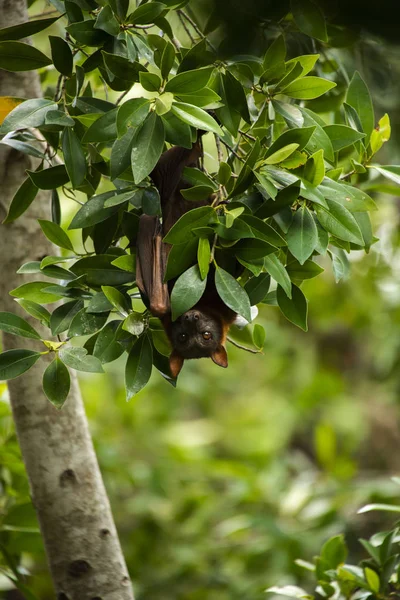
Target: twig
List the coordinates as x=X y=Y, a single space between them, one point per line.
x=232 y=151
x=251 y=137
x=220 y=155
x=243 y=347
x=188 y=33
x=122 y=96
x=197 y=29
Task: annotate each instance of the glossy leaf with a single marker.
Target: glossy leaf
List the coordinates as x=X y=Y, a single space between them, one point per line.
x=147 y=145
x=56 y=234
x=340 y=222
x=359 y=98
x=61 y=55
x=196 y=117
x=295 y=308
x=187 y=291
x=342 y=136
x=22 y=200
x=78 y=359
x=15 y=362
x=302 y=236
x=232 y=293
x=182 y=231
x=62 y=316
x=138 y=366
x=17 y=56
x=308 y=88
x=203 y=256
x=56 y=382
x=31 y=113
x=15 y=325
x=22 y=30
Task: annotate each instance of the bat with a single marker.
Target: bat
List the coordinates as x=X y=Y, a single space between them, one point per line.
x=201 y=331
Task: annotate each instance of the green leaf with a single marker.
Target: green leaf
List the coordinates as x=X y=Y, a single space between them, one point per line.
x=309 y=19
x=134 y=323
x=354 y=199
x=62 y=316
x=35 y=310
x=359 y=98
x=291 y=591
x=123 y=69
x=308 y=88
x=373 y=580
x=224 y=173
x=17 y=32
x=232 y=293
x=146 y=13
x=49 y=179
x=391 y=172
x=132 y=113
x=15 y=362
x=187 y=291
x=74 y=157
x=85 y=323
x=299 y=136
x=107 y=22
x=182 y=230
x=259 y=336
x=33 y=291
x=276 y=52
x=121 y=153
x=120 y=7
x=11 y=323
x=22 y=200
x=106 y=347
x=295 y=308
x=378 y=506
x=56 y=234
x=167 y=59
x=17 y=56
x=127 y=262
x=250 y=249
x=334 y=552
x=189 y=82
x=257 y=288
x=278 y=272
x=31 y=113
x=263 y=231
x=94 y=211
x=147 y=146
x=302 y=236
x=299 y=273
x=56 y=382
x=150 y=81
x=319 y=139
x=78 y=359
x=61 y=55
x=203 y=256
x=85 y=33
x=99 y=271
x=281 y=154
x=339 y=221
x=196 y=117
x=306 y=61
x=104 y=129
x=117 y=299
x=180 y=258
x=314 y=170
x=197 y=193
x=138 y=366
x=342 y=136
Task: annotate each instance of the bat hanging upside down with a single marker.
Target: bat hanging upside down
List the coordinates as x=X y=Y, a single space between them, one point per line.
x=201 y=331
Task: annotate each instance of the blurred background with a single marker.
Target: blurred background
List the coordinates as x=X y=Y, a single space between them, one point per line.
x=219 y=485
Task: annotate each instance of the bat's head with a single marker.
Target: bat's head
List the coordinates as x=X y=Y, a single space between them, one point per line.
x=197 y=334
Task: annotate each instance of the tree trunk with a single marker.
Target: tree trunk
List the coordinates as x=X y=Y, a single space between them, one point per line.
x=81 y=541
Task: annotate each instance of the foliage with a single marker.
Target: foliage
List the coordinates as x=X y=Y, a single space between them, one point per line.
x=376 y=576
x=288 y=170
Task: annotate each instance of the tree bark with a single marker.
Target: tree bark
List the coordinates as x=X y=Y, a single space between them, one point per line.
x=68 y=493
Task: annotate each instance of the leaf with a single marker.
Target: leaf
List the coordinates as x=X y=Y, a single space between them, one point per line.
x=334 y=552
x=35 y=310
x=259 y=336
x=203 y=256
x=56 y=234
x=391 y=172
x=180 y=258
x=281 y=154
x=15 y=362
x=146 y=13
x=342 y=136
x=257 y=288
x=308 y=88
x=187 y=291
x=49 y=179
x=85 y=323
x=85 y=33
x=189 y=82
x=22 y=200
x=314 y=170
x=17 y=56
x=150 y=81
x=263 y=231
x=61 y=55
x=291 y=591
x=276 y=52
x=104 y=129
x=121 y=153
x=99 y=271
x=250 y=249
x=339 y=221
x=30 y=113
x=134 y=323
x=182 y=230
x=380 y=134
x=295 y=308
x=22 y=30
x=373 y=580
x=132 y=113
x=94 y=211
x=196 y=117
x=306 y=61
x=78 y=359
x=378 y=506
x=107 y=22
x=302 y=236
x=15 y=325
x=299 y=273
x=309 y=19
x=62 y=316
x=167 y=60
x=74 y=157
x=359 y=98
x=138 y=366
x=106 y=347
x=299 y=136
x=33 y=291
x=117 y=299
x=56 y=382
x=232 y=293
x=147 y=145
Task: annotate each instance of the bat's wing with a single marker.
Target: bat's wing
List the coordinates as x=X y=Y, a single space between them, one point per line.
x=151 y=261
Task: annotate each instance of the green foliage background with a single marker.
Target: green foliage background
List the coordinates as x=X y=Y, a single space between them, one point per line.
x=219 y=485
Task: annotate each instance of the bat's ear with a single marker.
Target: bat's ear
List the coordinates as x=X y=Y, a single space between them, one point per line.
x=220 y=357
x=175 y=363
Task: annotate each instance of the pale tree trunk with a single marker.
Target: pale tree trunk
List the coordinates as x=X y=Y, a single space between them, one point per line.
x=80 y=537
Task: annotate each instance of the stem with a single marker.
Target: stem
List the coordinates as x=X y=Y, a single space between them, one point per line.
x=197 y=29
x=185 y=27
x=122 y=96
x=243 y=347
x=247 y=135
x=220 y=155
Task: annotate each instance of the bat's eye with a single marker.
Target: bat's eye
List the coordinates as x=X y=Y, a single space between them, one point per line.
x=182 y=337
x=207 y=335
